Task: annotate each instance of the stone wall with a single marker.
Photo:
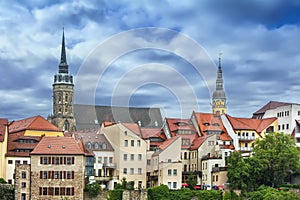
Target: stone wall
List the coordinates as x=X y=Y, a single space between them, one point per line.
x=127 y=195
x=22 y=184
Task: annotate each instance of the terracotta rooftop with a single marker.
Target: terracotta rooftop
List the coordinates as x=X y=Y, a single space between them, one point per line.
x=209 y=122
x=176 y=124
x=270 y=105
x=199 y=141
x=257 y=125
x=3 y=123
x=134 y=128
x=58 y=146
x=150 y=132
x=32 y=123
x=165 y=144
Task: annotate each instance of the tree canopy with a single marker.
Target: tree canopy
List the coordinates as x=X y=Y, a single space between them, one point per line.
x=274 y=158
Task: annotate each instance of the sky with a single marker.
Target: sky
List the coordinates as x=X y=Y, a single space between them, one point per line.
x=158 y=53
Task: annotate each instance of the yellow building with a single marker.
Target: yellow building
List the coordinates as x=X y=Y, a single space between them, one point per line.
x=3 y=146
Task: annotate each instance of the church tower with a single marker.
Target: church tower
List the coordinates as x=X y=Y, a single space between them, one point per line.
x=219 y=97
x=63 y=92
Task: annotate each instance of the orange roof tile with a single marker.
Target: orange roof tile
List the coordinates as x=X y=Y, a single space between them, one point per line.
x=150 y=132
x=32 y=123
x=257 y=125
x=58 y=146
x=198 y=142
x=133 y=127
x=176 y=124
x=209 y=122
x=166 y=143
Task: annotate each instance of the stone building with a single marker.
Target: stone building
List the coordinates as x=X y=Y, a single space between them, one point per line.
x=57 y=170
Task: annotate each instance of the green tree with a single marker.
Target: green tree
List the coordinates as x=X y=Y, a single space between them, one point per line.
x=93 y=189
x=237 y=171
x=278 y=156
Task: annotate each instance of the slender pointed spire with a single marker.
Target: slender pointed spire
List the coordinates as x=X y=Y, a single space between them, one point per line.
x=63 y=66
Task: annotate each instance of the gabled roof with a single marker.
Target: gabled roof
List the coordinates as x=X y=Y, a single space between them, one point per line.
x=32 y=123
x=257 y=125
x=209 y=122
x=150 y=132
x=165 y=144
x=133 y=128
x=199 y=141
x=3 y=123
x=270 y=105
x=58 y=146
x=176 y=124
x=93 y=136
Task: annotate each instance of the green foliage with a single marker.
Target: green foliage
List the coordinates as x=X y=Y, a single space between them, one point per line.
x=210 y=195
x=274 y=158
x=2 y=181
x=192 y=180
x=115 y=194
x=279 y=155
x=6 y=192
x=158 y=192
x=93 y=189
x=269 y=193
x=230 y=195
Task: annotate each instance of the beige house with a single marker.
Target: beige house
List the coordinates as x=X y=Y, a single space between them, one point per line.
x=166 y=163
x=129 y=151
x=57 y=170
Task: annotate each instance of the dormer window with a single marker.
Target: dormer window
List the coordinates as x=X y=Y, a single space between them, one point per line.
x=206 y=124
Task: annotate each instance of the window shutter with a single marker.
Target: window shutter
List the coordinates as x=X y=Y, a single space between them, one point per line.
x=72 y=191
x=62 y=191
x=60 y=174
x=41 y=174
x=65 y=175
x=41 y=190
x=61 y=160
x=72 y=174
x=73 y=159
x=41 y=160
x=50 y=191
x=49 y=160
x=53 y=160
x=65 y=160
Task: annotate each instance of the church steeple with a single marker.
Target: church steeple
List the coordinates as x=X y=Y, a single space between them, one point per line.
x=219 y=97
x=63 y=66
x=63 y=92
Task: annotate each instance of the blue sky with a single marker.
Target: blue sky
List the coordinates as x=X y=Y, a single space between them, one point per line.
x=116 y=59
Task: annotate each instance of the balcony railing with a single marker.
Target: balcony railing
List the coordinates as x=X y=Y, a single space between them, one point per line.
x=109 y=165
x=248 y=138
x=246 y=148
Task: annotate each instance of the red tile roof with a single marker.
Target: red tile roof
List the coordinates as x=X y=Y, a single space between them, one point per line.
x=176 y=124
x=209 y=122
x=150 y=132
x=3 y=123
x=166 y=143
x=257 y=125
x=58 y=146
x=32 y=123
x=134 y=128
x=199 y=141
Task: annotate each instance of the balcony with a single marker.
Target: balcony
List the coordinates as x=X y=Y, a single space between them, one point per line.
x=110 y=165
x=246 y=138
x=104 y=178
x=246 y=148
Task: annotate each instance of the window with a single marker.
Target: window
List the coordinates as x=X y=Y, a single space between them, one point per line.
x=23 y=196
x=45 y=174
x=169 y=185
x=126 y=143
x=56 y=161
x=105 y=160
x=25 y=162
x=169 y=172
x=131 y=156
x=125 y=157
x=246 y=144
x=23 y=174
x=56 y=175
x=99 y=159
x=139 y=156
x=138 y=143
x=68 y=191
x=282 y=126
x=110 y=159
x=174 y=184
x=23 y=184
x=287 y=126
x=279 y=127
x=139 y=170
x=175 y=172
x=299 y=112
x=131 y=171
x=148 y=162
x=70 y=160
x=56 y=191
x=217 y=177
x=45 y=191
x=10 y=162
x=125 y=171
x=70 y=174
x=18 y=162
x=132 y=143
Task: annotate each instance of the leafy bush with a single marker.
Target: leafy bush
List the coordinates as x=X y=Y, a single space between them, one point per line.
x=115 y=194
x=158 y=192
x=269 y=193
x=210 y=195
x=93 y=189
x=231 y=196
